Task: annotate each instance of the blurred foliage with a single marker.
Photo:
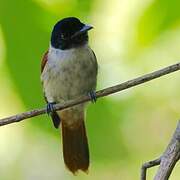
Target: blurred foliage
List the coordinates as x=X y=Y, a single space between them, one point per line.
x=124 y=130
x=160 y=16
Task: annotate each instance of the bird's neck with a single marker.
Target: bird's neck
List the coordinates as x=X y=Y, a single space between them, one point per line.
x=58 y=50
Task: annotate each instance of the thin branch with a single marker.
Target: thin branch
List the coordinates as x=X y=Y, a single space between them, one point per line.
x=147 y=165
x=167 y=161
x=101 y=93
x=169 y=157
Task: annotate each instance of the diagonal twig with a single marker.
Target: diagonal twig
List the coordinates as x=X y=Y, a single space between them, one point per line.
x=168 y=159
x=101 y=93
x=147 y=165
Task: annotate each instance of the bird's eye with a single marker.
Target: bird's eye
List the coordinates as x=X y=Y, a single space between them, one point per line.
x=62 y=36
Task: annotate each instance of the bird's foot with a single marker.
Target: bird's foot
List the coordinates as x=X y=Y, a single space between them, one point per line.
x=50 y=107
x=92 y=95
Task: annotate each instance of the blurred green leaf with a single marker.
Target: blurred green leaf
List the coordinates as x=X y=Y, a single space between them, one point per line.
x=105 y=135
x=160 y=16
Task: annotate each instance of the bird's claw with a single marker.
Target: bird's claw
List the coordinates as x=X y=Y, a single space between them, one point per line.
x=92 y=95
x=50 y=108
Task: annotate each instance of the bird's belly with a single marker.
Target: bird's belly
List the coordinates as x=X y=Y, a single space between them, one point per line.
x=68 y=80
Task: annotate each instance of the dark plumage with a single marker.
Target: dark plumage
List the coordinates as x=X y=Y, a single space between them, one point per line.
x=69 y=33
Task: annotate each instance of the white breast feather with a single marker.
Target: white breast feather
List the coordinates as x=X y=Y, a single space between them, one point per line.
x=69 y=73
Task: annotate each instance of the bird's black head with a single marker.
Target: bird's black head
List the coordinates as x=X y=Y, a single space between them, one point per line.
x=68 y=33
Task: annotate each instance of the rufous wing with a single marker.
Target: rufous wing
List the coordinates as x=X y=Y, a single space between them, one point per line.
x=55 y=117
x=44 y=61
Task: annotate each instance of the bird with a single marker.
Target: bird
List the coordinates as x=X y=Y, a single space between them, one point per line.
x=68 y=70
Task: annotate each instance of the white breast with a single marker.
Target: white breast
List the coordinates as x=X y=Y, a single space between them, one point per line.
x=69 y=73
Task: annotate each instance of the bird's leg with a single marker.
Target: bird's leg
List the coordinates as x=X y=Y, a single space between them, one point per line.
x=92 y=95
x=50 y=107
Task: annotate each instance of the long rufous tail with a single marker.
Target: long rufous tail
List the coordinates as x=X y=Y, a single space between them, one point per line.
x=75 y=144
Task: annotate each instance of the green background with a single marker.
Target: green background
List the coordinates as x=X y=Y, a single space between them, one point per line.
x=130 y=38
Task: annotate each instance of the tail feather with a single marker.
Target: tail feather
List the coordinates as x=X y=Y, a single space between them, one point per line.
x=75 y=147
x=56 y=119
